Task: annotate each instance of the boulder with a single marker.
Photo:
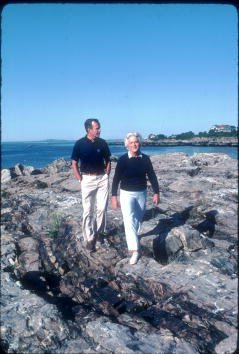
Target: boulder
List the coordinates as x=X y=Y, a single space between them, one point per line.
x=5 y=175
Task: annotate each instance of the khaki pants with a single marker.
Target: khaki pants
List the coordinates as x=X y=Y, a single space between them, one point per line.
x=95 y=193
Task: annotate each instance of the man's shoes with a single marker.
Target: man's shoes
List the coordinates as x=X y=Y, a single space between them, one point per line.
x=103 y=235
x=102 y=243
x=107 y=233
x=134 y=258
x=90 y=246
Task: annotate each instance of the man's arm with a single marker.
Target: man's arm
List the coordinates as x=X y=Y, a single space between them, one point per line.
x=108 y=167
x=76 y=170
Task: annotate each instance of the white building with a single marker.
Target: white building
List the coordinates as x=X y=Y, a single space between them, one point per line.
x=223 y=128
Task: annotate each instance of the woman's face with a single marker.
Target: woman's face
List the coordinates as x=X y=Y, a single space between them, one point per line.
x=133 y=145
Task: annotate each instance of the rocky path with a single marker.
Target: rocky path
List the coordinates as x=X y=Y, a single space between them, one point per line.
x=181 y=297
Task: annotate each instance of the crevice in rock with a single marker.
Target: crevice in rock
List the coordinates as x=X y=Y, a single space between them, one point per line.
x=193 y=330
x=47 y=287
x=208 y=225
x=151 y=213
x=4 y=346
x=162 y=229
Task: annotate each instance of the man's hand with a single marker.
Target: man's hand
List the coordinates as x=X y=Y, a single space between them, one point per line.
x=114 y=202
x=156 y=198
x=76 y=170
x=108 y=168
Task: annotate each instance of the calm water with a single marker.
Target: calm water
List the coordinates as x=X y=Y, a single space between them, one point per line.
x=41 y=153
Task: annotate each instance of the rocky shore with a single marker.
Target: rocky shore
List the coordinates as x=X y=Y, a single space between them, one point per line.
x=181 y=296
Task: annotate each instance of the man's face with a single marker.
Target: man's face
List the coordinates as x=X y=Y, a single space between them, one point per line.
x=94 y=132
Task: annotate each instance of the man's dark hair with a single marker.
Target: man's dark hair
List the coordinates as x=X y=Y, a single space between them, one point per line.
x=88 y=123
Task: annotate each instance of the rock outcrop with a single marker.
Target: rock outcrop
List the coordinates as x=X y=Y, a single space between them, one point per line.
x=181 y=296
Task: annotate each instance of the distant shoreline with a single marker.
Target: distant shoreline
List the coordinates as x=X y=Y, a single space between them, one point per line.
x=214 y=142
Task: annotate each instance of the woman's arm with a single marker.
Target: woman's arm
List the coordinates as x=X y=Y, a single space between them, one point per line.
x=153 y=181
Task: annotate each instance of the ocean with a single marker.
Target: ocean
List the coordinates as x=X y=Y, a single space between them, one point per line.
x=41 y=153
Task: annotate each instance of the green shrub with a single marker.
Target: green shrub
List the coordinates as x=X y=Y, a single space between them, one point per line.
x=54 y=225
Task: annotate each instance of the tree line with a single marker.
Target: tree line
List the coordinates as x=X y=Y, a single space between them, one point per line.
x=190 y=135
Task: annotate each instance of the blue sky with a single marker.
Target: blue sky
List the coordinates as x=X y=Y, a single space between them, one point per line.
x=152 y=68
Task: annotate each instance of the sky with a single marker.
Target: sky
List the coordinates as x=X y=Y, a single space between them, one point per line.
x=151 y=68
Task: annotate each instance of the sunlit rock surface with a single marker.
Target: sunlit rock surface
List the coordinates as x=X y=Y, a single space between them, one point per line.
x=181 y=296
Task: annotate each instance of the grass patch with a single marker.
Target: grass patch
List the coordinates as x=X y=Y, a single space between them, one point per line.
x=55 y=222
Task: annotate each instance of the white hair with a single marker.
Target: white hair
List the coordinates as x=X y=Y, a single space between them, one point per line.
x=129 y=135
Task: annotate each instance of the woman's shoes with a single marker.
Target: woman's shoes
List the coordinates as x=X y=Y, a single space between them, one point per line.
x=134 y=258
x=90 y=245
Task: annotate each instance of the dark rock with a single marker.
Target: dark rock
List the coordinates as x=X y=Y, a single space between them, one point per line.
x=193 y=171
x=40 y=184
x=36 y=171
x=19 y=169
x=13 y=172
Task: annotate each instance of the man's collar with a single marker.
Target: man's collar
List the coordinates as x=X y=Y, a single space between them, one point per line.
x=92 y=141
x=131 y=156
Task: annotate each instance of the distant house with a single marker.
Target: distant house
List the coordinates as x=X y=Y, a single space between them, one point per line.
x=152 y=137
x=156 y=137
x=222 y=128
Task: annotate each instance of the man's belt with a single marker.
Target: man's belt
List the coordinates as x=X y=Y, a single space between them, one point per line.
x=97 y=173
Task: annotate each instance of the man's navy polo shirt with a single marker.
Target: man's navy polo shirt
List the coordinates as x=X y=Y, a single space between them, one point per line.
x=93 y=155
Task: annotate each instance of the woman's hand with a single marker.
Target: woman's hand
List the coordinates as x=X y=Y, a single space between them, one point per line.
x=156 y=198
x=114 y=202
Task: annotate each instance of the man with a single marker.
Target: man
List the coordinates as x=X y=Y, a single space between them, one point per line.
x=93 y=175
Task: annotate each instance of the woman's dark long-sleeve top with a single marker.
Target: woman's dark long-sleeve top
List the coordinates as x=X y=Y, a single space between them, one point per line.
x=132 y=174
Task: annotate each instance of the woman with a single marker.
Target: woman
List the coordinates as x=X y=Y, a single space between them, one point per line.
x=131 y=173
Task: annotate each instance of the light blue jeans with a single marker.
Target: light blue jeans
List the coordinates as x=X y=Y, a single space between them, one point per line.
x=133 y=206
